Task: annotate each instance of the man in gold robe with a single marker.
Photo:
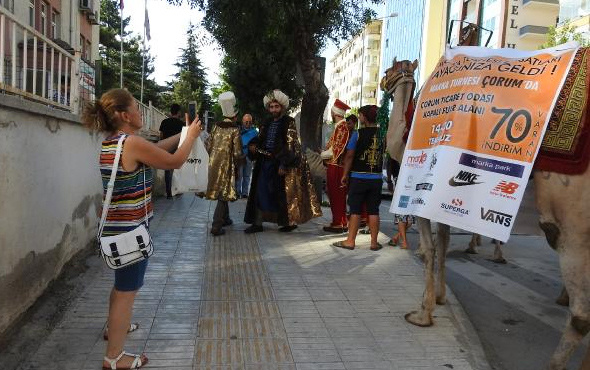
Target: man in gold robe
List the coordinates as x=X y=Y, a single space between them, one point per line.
x=224 y=146
x=281 y=189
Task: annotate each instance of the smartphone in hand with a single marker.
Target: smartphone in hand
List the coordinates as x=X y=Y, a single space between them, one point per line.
x=192 y=110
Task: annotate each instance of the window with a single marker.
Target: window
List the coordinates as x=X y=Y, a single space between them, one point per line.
x=88 y=48
x=55 y=25
x=8 y=4
x=32 y=13
x=43 y=18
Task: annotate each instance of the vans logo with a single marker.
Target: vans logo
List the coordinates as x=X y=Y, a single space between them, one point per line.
x=464 y=178
x=496 y=217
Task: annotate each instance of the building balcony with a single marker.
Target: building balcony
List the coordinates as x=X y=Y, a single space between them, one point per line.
x=533 y=32
x=540 y=3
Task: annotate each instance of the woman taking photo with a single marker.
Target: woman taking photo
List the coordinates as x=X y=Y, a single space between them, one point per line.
x=117 y=115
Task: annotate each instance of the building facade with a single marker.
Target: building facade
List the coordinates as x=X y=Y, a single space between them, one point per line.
x=577 y=14
x=403 y=33
x=517 y=24
x=362 y=53
x=57 y=65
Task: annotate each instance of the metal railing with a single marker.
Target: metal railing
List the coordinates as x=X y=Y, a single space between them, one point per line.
x=34 y=66
x=152 y=118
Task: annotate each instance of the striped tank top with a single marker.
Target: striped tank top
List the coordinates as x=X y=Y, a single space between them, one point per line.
x=127 y=209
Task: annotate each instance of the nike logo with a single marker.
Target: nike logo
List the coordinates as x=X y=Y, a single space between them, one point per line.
x=452 y=182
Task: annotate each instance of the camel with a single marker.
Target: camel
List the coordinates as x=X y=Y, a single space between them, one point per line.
x=564 y=217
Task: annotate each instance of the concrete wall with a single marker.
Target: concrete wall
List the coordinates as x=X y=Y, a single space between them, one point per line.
x=50 y=195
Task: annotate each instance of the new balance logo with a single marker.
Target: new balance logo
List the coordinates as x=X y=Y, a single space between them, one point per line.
x=506 y=187
x=464 y=178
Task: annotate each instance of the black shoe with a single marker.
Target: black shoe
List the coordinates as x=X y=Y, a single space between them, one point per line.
x=168 y=196
x=287 y=229
x=335 y=229
x=228 y=222
x=244 y=196
x=217 y=232
x=254 y=229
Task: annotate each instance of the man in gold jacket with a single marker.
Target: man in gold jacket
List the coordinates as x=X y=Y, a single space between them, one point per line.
x=281 y=189
x=224 y=146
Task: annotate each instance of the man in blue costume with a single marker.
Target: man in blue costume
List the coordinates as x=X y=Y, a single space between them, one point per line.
x=281 y=191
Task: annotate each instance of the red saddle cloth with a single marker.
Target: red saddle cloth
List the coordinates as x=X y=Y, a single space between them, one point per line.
x=566 y=145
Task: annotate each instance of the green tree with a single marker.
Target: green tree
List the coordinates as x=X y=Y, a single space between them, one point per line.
x=191 y=83
x=292 y=30
x=133 y=56
x=566 y=32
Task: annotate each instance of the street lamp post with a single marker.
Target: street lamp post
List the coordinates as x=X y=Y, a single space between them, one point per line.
x=392 y=15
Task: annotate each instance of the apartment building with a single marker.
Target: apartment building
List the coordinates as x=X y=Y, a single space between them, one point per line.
x=403 y=33
x=62 y=39
x=356 y=68
x=577 y=14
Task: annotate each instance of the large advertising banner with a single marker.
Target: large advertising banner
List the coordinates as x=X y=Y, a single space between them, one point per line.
x=478 y=125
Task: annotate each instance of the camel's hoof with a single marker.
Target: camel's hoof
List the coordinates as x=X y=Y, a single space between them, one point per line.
x=563 y=301
x=441 y=301
x=499 y=260
x=470 y=250
x=415 y=318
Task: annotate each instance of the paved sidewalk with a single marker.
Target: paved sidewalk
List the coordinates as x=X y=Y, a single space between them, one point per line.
x=266 y=301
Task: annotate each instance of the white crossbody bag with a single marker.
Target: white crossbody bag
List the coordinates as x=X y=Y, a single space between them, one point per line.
x=125 y=249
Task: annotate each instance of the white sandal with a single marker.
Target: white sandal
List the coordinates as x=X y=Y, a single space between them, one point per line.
x=136 y=364
x=133 y=327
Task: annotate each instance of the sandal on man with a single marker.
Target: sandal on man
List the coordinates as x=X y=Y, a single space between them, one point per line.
x=341 y=244
x=376 y=247
x=133 y=327
x=138 y=361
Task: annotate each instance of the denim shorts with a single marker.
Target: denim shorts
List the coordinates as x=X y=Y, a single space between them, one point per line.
x=130 y=278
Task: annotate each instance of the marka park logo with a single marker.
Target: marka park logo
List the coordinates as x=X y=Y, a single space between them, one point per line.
x=464 y=178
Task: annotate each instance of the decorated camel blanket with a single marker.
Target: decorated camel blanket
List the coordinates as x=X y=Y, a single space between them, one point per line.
x=566 y=145
x=476 y=132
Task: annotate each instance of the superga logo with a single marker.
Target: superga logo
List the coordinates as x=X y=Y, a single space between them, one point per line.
x=455 y=207
x=416 y=160
x=496 y=217
x=464 y=178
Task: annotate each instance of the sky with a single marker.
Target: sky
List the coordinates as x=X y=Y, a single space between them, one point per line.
x=168 y=26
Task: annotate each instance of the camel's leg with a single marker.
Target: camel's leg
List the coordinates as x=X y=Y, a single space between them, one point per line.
x=443 y=237
x=563 y=299
x=424 y=316
x=475 y=240
x=498 y=256
x=586 y=362
x=574 y=258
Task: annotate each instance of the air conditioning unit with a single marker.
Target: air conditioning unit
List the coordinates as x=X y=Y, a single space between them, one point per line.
x=93 y=18
x=85 y=5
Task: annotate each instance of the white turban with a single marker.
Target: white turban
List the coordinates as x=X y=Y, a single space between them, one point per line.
x=227 y=101
x=278 y=96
